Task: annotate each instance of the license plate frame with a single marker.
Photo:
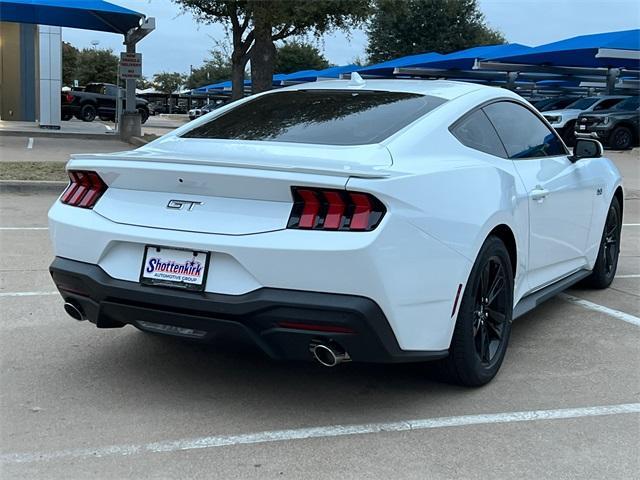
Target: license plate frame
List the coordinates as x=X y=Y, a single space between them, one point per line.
x=180 y=259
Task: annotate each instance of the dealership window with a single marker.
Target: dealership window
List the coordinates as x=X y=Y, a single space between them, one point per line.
x=523 y=134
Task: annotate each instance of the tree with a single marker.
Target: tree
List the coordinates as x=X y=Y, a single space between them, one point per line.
x=215 y=69
x=256 y=24
x=143 y=83
x=168 y=82
x=295 y=56
x=96 y=65
x=405 y=27
x=69 y=63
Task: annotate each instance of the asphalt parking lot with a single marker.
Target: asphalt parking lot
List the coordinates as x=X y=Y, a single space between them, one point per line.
x=77 y=402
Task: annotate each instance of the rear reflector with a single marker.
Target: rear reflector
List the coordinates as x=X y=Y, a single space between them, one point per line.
x=323 y=209
x=84 y=190
x=315 y=327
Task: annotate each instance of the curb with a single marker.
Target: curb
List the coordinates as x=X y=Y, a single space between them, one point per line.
x=31 y=186
x=45 y=134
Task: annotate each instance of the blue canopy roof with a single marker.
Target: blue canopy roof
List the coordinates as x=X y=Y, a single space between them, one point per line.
x=85 y=14
x=580 y=51
x=464 y=59
x=313 y=75
x=387 y=68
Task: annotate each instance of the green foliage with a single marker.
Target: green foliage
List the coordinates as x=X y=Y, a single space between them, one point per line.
x=96 y=65
x=295 y=56
x=168 y=82
x=215 y=69
x=143 y=83
x=69 y=63
x=88 y=65
x=255 y=25
x=405 y=27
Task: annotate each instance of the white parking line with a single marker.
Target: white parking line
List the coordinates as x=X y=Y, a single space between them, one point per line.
x=24 y=228
x=602 y=309
x=628 y=276
x=26 y=294
x=30 y=143
x=631 y=224
x=321 y=432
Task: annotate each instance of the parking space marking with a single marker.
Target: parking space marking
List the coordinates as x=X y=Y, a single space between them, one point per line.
x=628 y=276
x=626 y=317
x=24 y=228
x=322 y=432
x=30 y=143
x=26 y=294
x=631 y=224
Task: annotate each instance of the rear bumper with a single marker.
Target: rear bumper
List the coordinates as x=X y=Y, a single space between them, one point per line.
x=112 y=303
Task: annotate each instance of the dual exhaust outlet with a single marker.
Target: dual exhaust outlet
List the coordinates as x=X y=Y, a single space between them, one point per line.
x=328 y=354
x=74 y=310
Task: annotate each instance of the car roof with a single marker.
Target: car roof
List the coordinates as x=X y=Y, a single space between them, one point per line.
x=445 y=89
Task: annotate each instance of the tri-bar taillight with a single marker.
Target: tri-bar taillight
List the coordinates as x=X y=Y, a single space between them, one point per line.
x=326 y=209
x=84 y=190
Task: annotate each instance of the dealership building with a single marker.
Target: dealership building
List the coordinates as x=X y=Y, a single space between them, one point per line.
x=31 y=53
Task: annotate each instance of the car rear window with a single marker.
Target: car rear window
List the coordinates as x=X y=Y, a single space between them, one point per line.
x=329 y=117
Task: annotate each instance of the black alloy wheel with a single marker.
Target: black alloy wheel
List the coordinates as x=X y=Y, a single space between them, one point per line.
x=606 y=264
x=483 y=324
x=489 y=311
x=611 y=241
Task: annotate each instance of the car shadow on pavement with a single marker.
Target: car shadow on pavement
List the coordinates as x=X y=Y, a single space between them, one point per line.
x=238 y=379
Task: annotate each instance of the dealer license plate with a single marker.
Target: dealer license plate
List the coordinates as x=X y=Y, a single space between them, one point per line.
x=172 y=267
x=583 y=127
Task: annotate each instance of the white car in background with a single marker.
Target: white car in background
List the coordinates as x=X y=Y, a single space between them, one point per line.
x=564 y=120
x=377 y=221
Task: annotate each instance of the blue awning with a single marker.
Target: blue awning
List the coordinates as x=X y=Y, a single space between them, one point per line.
x=85 y=14
x=465 y=59
x=387 y=68
x=582 y=51
x=461 y=60
x=313 y=75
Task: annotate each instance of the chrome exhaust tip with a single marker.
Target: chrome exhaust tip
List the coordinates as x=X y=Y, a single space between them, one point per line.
x=328 y=354
x=74 y=311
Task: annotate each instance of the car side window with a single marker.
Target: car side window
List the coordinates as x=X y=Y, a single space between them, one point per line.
x=606 y=104
x=475 y=131
x=522 y=133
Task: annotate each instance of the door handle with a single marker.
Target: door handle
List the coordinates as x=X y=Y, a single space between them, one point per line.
x=538 y=194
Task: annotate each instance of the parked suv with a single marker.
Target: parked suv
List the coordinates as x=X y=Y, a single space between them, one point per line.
x=564 y=120
x=97 y=100
x=618 y=128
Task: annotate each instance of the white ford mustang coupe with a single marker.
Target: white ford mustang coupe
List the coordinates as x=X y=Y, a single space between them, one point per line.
x=373 y=221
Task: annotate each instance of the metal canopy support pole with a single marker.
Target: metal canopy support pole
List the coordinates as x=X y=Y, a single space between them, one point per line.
x=130 y=125
x=612 y=77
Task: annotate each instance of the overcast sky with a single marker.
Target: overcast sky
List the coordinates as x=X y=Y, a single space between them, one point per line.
x=179 y=41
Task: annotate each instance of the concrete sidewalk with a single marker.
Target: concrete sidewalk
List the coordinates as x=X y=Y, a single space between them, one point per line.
x=56 y=149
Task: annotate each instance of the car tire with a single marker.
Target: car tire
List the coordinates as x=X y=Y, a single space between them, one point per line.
x=88 y=113
x=569 y=134
x=621 y=138
x=106 y=119
x=606 y=264
x=483 y=325
x=67 y=117
x=144 y=115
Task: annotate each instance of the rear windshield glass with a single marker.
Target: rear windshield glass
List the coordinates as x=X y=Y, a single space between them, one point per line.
x=330 y=117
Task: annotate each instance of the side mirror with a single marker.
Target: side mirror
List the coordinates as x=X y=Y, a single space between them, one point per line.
x=586 y=148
